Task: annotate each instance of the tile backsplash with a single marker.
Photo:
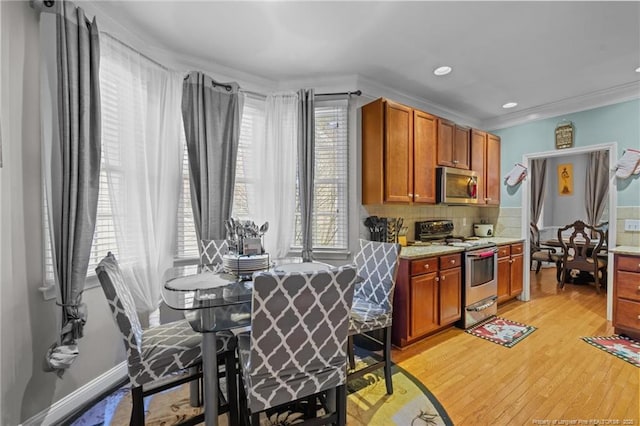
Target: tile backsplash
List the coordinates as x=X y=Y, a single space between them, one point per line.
x=463 y=217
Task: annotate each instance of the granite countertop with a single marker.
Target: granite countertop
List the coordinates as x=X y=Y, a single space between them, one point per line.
x=418 y=251
x=626 y=250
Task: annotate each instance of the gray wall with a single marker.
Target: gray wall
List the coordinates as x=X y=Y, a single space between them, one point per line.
x=560 y=210
x=27 y=321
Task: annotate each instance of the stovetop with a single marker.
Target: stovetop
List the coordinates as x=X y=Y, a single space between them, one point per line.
x=440 y=232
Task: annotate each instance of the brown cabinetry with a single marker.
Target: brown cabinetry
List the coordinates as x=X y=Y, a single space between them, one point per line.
x=428 y=297
x=398 y=165
x=626 y=295
x=485 y=161
x=453 y=145
x=510 y=271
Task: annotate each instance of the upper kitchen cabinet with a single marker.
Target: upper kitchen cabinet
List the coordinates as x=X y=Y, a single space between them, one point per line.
x=453 y=145
x=485 y=161
x=425 y=136
x=398 y=165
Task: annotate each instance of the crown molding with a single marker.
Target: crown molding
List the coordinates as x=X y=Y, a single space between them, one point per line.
x=374 y=90
x=596 y=99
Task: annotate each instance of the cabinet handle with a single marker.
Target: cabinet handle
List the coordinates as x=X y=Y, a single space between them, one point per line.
x=437 y=278
x=487 y=199
x=453 y=261
x=426 y=266
x=443 y=277
x=416 y=195
x=510 y=260
x=410 y=194
x=455 y=161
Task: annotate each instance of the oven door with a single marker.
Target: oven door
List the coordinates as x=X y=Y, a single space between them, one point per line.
x=481 y=268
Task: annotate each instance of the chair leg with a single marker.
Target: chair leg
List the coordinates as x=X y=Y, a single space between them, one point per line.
x=255 y=419
x=232 y=387
x=597 y=281
x=387 y=360
x=538 y=266
x=341 y=405
x=137 y=412
x=350 y=349
x=558 y=270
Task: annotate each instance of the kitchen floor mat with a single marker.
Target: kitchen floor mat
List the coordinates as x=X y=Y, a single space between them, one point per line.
x=620 y=346
x=501 y=331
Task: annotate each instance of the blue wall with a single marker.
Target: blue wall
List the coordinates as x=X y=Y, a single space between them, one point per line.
x=614 y=123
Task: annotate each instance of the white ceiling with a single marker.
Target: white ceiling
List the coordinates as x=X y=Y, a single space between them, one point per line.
x=550 y=57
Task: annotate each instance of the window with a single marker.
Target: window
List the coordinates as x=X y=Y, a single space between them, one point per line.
x=331 y=175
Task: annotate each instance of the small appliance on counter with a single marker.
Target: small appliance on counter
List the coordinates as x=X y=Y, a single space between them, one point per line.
x=483 y=230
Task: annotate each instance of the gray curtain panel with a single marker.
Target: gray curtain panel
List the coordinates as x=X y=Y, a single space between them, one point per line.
x=306 y=160
x=597 y=185
x=538 y=185
x=211 y=116
x=76 y=170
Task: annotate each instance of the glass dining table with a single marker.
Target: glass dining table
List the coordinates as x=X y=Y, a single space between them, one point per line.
x=214 y=302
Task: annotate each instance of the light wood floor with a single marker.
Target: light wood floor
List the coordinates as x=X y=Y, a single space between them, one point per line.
x=550 y=375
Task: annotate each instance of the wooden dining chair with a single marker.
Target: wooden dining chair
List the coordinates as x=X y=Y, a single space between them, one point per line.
x=541 y=253
x=372 y=308
x=156 y=355
x=581 y=251
x=296 y=349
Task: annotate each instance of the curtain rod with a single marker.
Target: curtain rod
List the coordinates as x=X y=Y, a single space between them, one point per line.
x=356 y=93
x=214 y=83
x=117 y=40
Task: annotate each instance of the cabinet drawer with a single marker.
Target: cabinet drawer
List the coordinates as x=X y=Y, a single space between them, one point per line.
x=628 y=263
x=517 y=248
x=627 y=314
x=504 y=251
x=422 y=266
x=628 y=285
x=450 y=261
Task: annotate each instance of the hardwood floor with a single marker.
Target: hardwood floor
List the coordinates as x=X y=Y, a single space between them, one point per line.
x=550 y=375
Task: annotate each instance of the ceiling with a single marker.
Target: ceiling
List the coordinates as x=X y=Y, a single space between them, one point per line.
x=549 y=57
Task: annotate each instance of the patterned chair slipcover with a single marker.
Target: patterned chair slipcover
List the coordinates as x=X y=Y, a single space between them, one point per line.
x=372 y=309
x=211 y=252
x=157 y=352
x=297 y=344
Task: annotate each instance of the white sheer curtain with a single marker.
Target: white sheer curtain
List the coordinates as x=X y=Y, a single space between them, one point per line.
x=273 y=197
x=143 y=160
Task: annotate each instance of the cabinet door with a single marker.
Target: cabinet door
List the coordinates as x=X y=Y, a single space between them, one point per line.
x=516 y=275
x=461 y=147
x=450 y=295
x=425 y=134
x=424 y=304
x=492 y=172
x=446 y=131
x=504 y=276
x=398 y=169
x=478 y=160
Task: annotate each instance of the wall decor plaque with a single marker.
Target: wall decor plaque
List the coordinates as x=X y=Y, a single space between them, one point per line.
x=564 y=135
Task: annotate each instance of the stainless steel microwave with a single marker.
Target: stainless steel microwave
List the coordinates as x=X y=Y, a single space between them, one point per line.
x=456 y=186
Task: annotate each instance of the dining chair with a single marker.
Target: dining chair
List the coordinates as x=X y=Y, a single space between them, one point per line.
x=296 y=348
x=581 y=251
x=372 y=309
x=157 y=355
x=211 y=252
x=541 y=253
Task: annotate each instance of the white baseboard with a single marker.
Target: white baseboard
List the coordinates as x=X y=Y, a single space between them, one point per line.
x=67 y=405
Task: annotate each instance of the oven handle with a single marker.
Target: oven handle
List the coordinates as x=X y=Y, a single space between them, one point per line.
x=482 y=307
x=483 y=254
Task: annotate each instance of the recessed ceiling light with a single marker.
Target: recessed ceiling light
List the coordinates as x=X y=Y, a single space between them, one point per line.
x=509 y=105
x=443 y=70
x=638 y=69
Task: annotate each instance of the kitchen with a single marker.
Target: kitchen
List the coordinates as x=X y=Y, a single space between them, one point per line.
x=612 y=120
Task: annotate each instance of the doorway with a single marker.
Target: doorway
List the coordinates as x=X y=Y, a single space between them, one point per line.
x=612 y=149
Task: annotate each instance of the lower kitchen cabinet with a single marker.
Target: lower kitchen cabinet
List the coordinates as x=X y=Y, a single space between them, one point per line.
x=626 y=295
x=428 y=297
x=510 y=271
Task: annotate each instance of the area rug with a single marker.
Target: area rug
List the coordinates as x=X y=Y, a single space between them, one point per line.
x=368 y=404
x=621 y=346
x=501 y=331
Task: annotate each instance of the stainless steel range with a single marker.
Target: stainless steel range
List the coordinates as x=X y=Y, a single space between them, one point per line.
x=480 y=267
